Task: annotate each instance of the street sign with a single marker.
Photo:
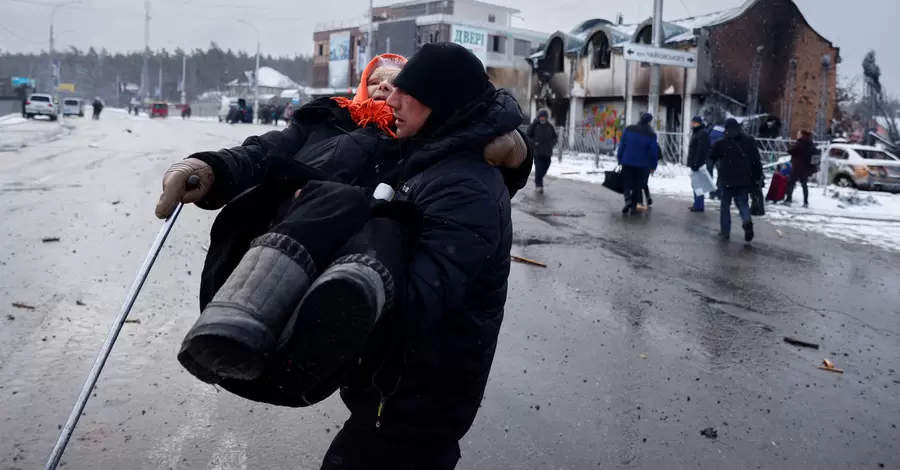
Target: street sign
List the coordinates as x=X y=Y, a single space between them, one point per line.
x=658 y=55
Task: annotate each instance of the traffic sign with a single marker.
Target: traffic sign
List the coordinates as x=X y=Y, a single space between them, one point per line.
x=659 y=55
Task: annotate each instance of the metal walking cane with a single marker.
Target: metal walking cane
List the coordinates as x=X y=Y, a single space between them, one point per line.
x=69 y=428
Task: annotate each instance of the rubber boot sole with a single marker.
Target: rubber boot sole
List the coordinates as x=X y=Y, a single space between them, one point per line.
x=227 y=343
x=327 y=333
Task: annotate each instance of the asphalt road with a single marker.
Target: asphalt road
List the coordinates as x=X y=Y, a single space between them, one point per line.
x=640 y=333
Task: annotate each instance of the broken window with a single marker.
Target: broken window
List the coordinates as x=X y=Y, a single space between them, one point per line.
x=600 y=53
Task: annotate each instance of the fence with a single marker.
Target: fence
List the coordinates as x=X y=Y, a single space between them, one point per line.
x=589 y=144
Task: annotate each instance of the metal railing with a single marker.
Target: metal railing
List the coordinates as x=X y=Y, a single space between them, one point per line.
x=591 y=144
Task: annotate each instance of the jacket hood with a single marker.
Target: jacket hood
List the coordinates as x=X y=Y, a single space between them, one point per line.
x=733 y=128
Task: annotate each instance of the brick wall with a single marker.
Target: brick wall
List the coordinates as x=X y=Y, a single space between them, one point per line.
x=779 y=27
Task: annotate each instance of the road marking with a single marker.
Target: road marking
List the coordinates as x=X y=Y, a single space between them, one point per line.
x=167 y=454
x=231 y=454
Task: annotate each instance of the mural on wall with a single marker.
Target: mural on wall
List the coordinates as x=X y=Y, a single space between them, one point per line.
x=607 y=118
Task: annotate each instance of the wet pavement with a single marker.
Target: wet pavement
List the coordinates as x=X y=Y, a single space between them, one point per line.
x=640 y=333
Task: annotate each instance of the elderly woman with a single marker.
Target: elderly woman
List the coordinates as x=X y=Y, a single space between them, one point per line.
x=295 y=280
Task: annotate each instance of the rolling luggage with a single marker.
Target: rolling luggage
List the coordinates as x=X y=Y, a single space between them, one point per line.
x=777 y=188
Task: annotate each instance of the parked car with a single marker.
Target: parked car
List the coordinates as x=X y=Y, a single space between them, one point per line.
x=41 y=104
x=227 y=105
x=73 y=107
x=241 y=113
x=159 y=109
x=862 y=166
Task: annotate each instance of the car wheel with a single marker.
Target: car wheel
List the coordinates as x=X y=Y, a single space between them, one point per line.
x=844 y=181
x=53 y=118
x=29 y=116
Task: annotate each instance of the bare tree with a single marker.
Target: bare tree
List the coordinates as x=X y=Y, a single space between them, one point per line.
x=874 y=98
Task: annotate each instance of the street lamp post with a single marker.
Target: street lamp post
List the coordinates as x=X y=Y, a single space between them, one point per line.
x=54 y=73
x=255 y=73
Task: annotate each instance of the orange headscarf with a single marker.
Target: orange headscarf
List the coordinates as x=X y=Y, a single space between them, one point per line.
x=363 y=110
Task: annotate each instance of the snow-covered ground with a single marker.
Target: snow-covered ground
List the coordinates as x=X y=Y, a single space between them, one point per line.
x=861 y=216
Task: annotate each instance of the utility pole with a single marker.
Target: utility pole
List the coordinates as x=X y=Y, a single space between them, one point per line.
x=183 y=75
x=256 y=73
x=369 y=54
x=145 y=79
x=655 y=69
x=160 y=89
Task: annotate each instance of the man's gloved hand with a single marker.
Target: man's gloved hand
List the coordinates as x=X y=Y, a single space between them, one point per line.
x=508 y=150
x=175 y=185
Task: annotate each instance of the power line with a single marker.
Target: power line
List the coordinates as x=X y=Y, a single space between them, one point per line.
x=13 y=34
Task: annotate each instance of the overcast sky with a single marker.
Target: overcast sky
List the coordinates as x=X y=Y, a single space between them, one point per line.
x=286 y=25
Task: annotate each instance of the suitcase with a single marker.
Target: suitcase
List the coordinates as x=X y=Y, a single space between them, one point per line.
x=777 y=188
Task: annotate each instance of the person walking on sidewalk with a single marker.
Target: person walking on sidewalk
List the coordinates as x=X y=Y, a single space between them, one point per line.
x=543 y=137
x=740 y=171
x=698 y=154
x=638 y=154
x=801 y=165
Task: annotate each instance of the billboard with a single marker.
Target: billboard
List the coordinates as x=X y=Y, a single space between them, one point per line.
x=339 y=60
x=69 y=87
x=22 y=81
x=472 y=39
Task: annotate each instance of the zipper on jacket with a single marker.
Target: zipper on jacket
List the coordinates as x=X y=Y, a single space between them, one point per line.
x=382 y=397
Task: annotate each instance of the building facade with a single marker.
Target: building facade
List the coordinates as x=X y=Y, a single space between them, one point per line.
x=403 y=28
x=761 y=61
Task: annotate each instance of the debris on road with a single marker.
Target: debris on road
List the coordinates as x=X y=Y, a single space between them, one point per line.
x=642 y=356
x=800 y=342
x=558 y=214
x=527 y=261
x=10 y=317
x=23 y=306
x=710 y=433
x=136 y=321
x=128 y=130
x=115 y=203
x=50 y=239
x=829 y=366
x=205 y=248
x=779 y=233
x=80 y=303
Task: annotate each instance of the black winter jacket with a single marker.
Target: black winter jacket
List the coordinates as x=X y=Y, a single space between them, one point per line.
x=741 y=165
x=426 y=372
x=543 y=136
x=432 y=356
x=698 y=149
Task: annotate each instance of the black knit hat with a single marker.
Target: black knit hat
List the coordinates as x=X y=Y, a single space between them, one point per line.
x=445 y=77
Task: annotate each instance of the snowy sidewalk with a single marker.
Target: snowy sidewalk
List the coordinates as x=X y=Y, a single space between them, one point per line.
x=859 y=216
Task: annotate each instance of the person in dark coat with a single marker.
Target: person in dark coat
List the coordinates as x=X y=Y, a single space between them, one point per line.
x=638 y=154
x=698 y=154
x=740 y=172
x=98 y=107
x=543 y=137
x=801 y=165
x=715 y=134
x=417 y=386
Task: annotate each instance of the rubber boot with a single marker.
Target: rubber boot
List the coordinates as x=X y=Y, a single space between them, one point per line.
x=239 y=328
x=326 y=336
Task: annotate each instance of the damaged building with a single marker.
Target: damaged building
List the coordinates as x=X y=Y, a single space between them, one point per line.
x=761 y=59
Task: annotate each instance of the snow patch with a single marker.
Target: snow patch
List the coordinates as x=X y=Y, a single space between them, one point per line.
x=848 y=214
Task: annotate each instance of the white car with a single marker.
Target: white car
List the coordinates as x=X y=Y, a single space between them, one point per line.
x=41 y=104
x=862 y=166
x=73 y=107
